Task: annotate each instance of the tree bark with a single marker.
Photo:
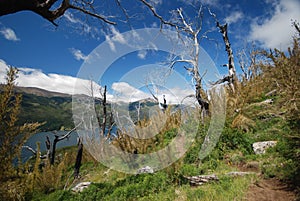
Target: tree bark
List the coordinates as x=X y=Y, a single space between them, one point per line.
x=231 y=78
x=104 y=112
x=78 y=159
x=54 y=149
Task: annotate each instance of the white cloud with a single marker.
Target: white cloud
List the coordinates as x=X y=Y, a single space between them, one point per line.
x=86 y=28
x=234 y=17
x=277 y=32
x=28 y=77
x=78 y=55
x=9 y=34
x=115 y=36
x=142 y=54
x=110 y=43
x=213 y=3
x=175 y=95
x=125 y=92
x=156 y=2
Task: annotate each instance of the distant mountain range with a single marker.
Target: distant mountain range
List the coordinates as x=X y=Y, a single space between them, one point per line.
x=40 y=92
x=55 y=109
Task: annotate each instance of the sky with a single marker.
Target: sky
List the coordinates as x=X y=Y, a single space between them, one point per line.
x=51 y=57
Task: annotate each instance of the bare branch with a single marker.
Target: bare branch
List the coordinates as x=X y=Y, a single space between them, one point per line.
x=155 y=98
x=34 y=151
x=162 y=20
x=188 y=27
x=103 y=18
x=192 y=62
x=68 y=133
x=29 y=149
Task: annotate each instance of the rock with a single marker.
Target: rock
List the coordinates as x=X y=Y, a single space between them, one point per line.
x=261 y=147
x=234 y=174
x=145 y=169
x=201 y=179
x=81 y=186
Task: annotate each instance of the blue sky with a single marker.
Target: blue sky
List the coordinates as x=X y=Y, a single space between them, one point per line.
x=29 y=42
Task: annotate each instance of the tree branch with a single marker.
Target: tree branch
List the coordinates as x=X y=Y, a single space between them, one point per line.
x=103 y=18
x=42 y=8
x=162 y=20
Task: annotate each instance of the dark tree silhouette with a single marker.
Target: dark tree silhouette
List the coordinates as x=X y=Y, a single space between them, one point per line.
x=45 y=9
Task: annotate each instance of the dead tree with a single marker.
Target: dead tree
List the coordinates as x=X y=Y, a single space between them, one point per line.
x=78 y=158
x=231 y=78
x=57 y=139
x=184 y=28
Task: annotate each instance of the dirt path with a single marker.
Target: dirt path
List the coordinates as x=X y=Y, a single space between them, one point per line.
x=269 y=190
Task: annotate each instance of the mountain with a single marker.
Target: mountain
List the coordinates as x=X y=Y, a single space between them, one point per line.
x=38 y=105
x=40 y=92
x=55 y=109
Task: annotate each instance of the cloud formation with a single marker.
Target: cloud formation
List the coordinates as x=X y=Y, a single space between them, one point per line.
x=125 y=92
x=213 y=3
x=142 y=54
x=276 y=31
x=115 y=36
x=86 y=27
x=28 y=77
x=9 y=34
x=121 y=91
x=78 y=55
x=234 y=17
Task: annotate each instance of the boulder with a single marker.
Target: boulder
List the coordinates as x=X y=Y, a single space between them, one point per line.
x=145 y=169
x=201 y=179
x=81 y=186
x=261 y=147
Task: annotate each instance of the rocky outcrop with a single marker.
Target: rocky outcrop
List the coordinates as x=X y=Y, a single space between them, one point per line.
x=146 y=169
x=81 y=186
x=261 y=147
x=201 y=179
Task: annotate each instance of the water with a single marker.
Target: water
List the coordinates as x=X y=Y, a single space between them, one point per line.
x=41 y=137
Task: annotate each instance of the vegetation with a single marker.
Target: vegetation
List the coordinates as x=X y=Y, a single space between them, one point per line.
x=261 y=105
x=56 y=112
x=250 y=118
x=12 y=136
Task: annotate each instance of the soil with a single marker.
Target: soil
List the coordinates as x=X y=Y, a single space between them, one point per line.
x=269 y=190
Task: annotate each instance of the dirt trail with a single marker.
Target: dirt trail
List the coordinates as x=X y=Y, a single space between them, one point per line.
x=269 y=190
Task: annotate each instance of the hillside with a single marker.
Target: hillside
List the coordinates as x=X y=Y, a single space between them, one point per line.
x=55 y=109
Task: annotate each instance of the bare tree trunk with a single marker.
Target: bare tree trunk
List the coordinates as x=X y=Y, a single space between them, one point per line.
x=48 y=146
x=231 y=78
x=78 y=158
x=54 y=149
x=57 y=139
x=104 y=111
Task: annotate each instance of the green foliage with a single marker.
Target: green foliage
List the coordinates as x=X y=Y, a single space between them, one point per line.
x=131 y=188
x=234 y=139
x=56 y=112
x=226 y=189
x=12 y=138
x=283 y=74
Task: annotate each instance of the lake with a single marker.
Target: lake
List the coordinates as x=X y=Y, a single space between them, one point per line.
x=41 y=137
